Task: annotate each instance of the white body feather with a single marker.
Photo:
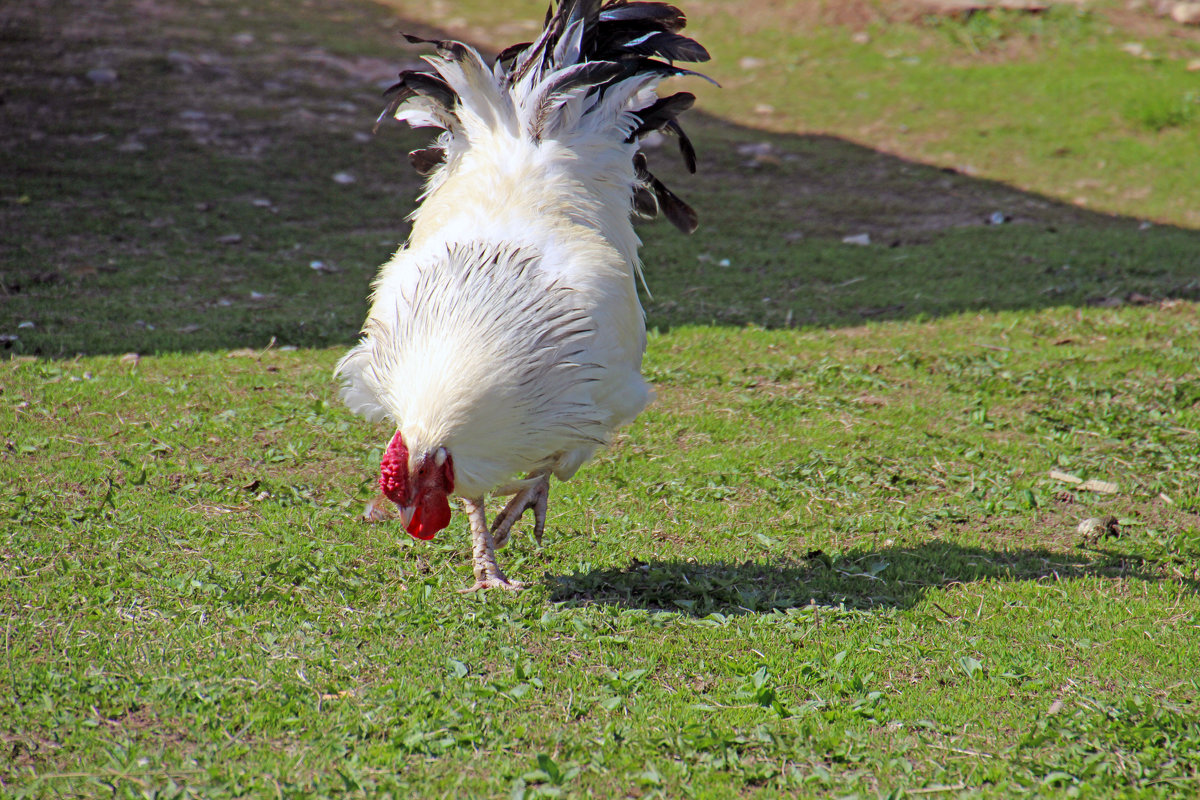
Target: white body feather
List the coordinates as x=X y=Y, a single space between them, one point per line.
x=508 y=329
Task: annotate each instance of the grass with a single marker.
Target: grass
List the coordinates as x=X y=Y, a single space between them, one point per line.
x=1093 y=105
x=839 y=556
x=851 y=572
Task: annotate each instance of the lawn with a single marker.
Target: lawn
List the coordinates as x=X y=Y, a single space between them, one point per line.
x=917 y=517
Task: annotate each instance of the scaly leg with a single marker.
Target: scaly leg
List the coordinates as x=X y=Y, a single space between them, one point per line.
x=487 y=571
x=535 y=497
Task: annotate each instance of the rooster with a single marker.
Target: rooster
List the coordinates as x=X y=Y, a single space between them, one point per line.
x=505 y=339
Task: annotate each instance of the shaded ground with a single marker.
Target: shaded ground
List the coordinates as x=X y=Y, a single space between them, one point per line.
x=195 y=176
x=854 y=581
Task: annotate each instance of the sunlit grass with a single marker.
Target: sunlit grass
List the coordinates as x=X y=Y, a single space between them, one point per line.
x=840 y=555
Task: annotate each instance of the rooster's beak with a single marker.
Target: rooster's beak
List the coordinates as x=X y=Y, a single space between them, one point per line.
x=406 y=515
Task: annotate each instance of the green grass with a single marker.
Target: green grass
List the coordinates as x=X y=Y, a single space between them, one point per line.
x=1053 y=103
x=850 y=571
x=831 y=560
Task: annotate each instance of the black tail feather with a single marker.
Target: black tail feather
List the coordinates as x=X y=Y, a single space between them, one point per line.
x=512 y=51
x=663 y=44
x=679 y=213
x=685 y=145
x=617 y=39
x=645 y=204
x=659 y=16
x=663 y=110
x=427 y=159
x=413 y=83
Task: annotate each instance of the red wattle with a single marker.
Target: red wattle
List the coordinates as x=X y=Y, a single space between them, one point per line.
x=430 y=516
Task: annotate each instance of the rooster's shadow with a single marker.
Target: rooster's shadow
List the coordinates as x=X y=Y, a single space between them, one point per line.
x=894 y=577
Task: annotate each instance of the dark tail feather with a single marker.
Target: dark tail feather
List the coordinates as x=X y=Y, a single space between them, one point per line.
x=659 y=16
x=663 y=44
x=512 y=51
x=660 y=116
x=418 y=84
x=427 y=159
x=679 y=213
x=663 y=110
x=685 y=145
x=644 y=202
x=617 y=39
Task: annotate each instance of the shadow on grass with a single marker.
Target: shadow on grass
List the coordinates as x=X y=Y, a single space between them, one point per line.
x=896 y=577
x=227 y=196
x=224 y=195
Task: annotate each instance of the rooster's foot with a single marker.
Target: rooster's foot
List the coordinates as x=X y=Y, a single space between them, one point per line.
x=494 y=583
x=535 y=497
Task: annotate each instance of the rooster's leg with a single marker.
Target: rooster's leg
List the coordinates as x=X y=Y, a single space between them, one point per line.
x=534 y=497
x=487 y=571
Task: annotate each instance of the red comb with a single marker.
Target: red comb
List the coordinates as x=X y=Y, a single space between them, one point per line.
x=393 y=471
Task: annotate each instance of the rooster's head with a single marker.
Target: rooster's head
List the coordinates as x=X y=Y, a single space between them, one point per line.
x=420 y=486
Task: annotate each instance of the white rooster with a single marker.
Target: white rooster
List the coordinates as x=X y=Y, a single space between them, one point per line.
x=505 y=339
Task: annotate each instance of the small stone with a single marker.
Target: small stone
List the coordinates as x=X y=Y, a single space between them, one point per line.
x=257 y=295
x=343 y=178
x=756 y=149
x=26 y=324
x=858 y=238
x=1186 y=13
x=764 y=108
x=180 y=60
x=261 y=202
x=230 y=238
x=997 y=218
x=102 y=76
x=861 y=37
x=750 y=62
